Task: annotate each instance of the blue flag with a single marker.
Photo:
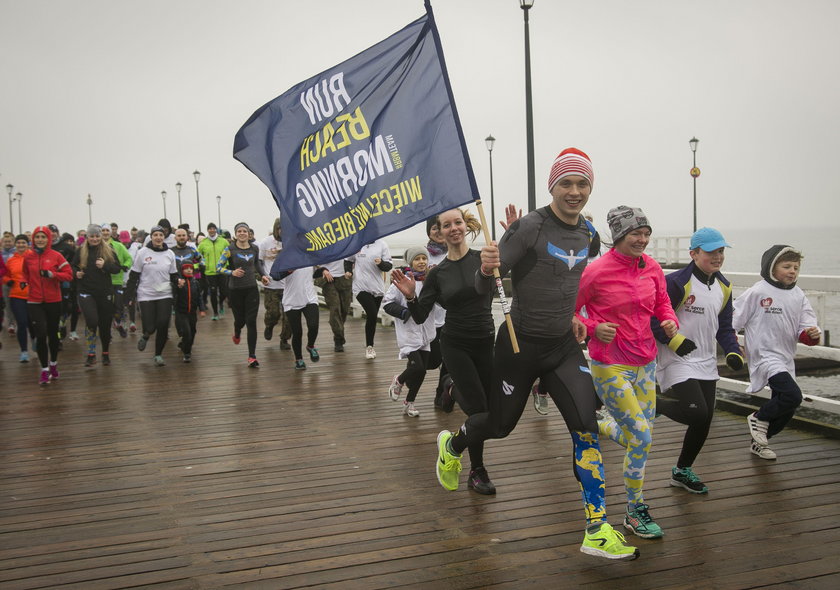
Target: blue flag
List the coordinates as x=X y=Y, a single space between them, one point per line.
x=363 y=150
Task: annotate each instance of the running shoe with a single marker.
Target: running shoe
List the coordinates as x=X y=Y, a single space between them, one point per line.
x=758 y=429
x=74 y=336
x=215 y=318
x=24 y=357
x=269 y=332
x=448 y=465
x=339 y=347
x=12 y=330
x=221 y=309
x=187 y=358
x=253 y=362
x=687 y=479
x=284 y=345
x=395 y=390
x=122 y=331
x=410 y=410
x=106 y=359
x=91 y=360
x=447 y=401
x=605 y=541
x=300 y=365
x=159 y=362
x=44 y=379
x=370 y=353
x=540 y=400
x=479 y=482
x=313 y=354
x=141 y=343
x=53 y=372
x=639 y=522
x=236 y=338
x=132 y=327
x=762 y=451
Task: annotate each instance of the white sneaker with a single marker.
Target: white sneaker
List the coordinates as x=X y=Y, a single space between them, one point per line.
x=395 y=391
x=758 y=429
x=540 y=400
x=762 y=451
x=74 y=336
x=370 y=353
x=408 y=408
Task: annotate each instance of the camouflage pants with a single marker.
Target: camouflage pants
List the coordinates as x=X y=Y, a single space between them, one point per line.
x=338 y=295
x=274 y=312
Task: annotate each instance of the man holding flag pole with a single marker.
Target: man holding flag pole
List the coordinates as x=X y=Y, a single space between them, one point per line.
x=373 y=146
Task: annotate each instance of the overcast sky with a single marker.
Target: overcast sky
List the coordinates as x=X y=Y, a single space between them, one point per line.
x=123 y=99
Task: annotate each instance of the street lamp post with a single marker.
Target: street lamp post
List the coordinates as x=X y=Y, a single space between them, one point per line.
x=90 y=209
x=197 y=175
x=219 y=209
x=20 y=216
x=695 y=172
x=178 y=188
x=163 y=196
x=526 y=5
x=489 y=141
x=10 y=188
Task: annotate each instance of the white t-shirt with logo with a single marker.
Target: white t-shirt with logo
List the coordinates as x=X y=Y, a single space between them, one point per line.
x=154 y=268
x=366 y=275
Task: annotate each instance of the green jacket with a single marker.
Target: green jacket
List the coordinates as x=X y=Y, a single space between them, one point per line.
x=211 y=252
x=124 y=259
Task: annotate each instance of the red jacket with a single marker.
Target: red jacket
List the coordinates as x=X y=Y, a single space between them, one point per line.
x=45 y=289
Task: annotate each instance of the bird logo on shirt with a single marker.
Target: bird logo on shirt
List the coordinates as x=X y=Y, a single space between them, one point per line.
x=569 y=258
x=245 y=257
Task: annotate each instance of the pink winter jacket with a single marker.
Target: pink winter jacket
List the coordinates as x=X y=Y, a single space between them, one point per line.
x=618 y=288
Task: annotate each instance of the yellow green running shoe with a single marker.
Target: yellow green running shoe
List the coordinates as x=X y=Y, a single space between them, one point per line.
x=448 y=465
x=605 y=541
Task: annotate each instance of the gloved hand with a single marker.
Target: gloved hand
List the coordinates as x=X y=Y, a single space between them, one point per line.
x=685 y=347
x=734 y=361
x=47 y=273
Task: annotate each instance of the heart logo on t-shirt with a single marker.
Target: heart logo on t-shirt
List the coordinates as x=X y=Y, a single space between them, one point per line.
x=690 y=301
x=766 y=302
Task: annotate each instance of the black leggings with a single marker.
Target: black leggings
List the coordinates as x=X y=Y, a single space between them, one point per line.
x=98 y=311
x=217 y=287
x=370 y=303
x=415 y=373
x=435 y=361
x=785 y=397
x=19 y=310
x=245 y=304
x=470 y=362
x=43 y=324
x=155 y=316
x=185 y=323
x=310 y=312
x=692 y=403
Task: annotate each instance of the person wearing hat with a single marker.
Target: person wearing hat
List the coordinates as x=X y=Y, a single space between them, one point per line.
x=413 y=339
x=118 y=278
x=211 y=250
x=93 y=264
x=153 y=275
x=545 y=252
x=186 y=307
x=622 y=291
x=44 y=270
x=686 y=365
x=775 y=315
x=241 y=263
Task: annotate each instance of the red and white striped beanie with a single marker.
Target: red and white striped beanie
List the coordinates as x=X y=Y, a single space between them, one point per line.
x=571 y=162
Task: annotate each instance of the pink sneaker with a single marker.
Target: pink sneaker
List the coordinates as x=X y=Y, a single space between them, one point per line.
x=53 y=372
x=44 y=379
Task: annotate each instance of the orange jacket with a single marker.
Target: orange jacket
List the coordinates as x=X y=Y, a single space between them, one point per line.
x=14 y=277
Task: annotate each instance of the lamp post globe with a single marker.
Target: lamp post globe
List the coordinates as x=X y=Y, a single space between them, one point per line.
x=197 y=176
x=489 y=141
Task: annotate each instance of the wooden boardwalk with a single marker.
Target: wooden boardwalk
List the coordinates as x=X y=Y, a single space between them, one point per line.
x=213 y=475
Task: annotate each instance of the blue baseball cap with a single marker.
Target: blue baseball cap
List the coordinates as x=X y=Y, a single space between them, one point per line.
x=708 y=239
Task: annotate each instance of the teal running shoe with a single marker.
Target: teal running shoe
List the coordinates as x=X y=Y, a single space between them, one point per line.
x=687 y=479
x=639 y=522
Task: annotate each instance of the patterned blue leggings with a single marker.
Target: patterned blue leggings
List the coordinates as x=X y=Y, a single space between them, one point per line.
x=629 y=394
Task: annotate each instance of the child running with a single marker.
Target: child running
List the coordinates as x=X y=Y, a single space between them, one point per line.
x=775 y=314
x=413 y=339
x=187 y=302
x=686 y=365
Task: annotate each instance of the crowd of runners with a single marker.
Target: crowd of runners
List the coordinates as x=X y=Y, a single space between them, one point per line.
x=652 y=338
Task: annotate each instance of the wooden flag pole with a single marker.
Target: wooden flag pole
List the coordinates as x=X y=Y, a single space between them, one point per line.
x=499 y=286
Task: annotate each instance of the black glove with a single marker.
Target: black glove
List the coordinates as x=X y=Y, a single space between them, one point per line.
x=685 y=347
x=734 y=361
x=46 y=273
x=11 y=284
x=23 y=285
